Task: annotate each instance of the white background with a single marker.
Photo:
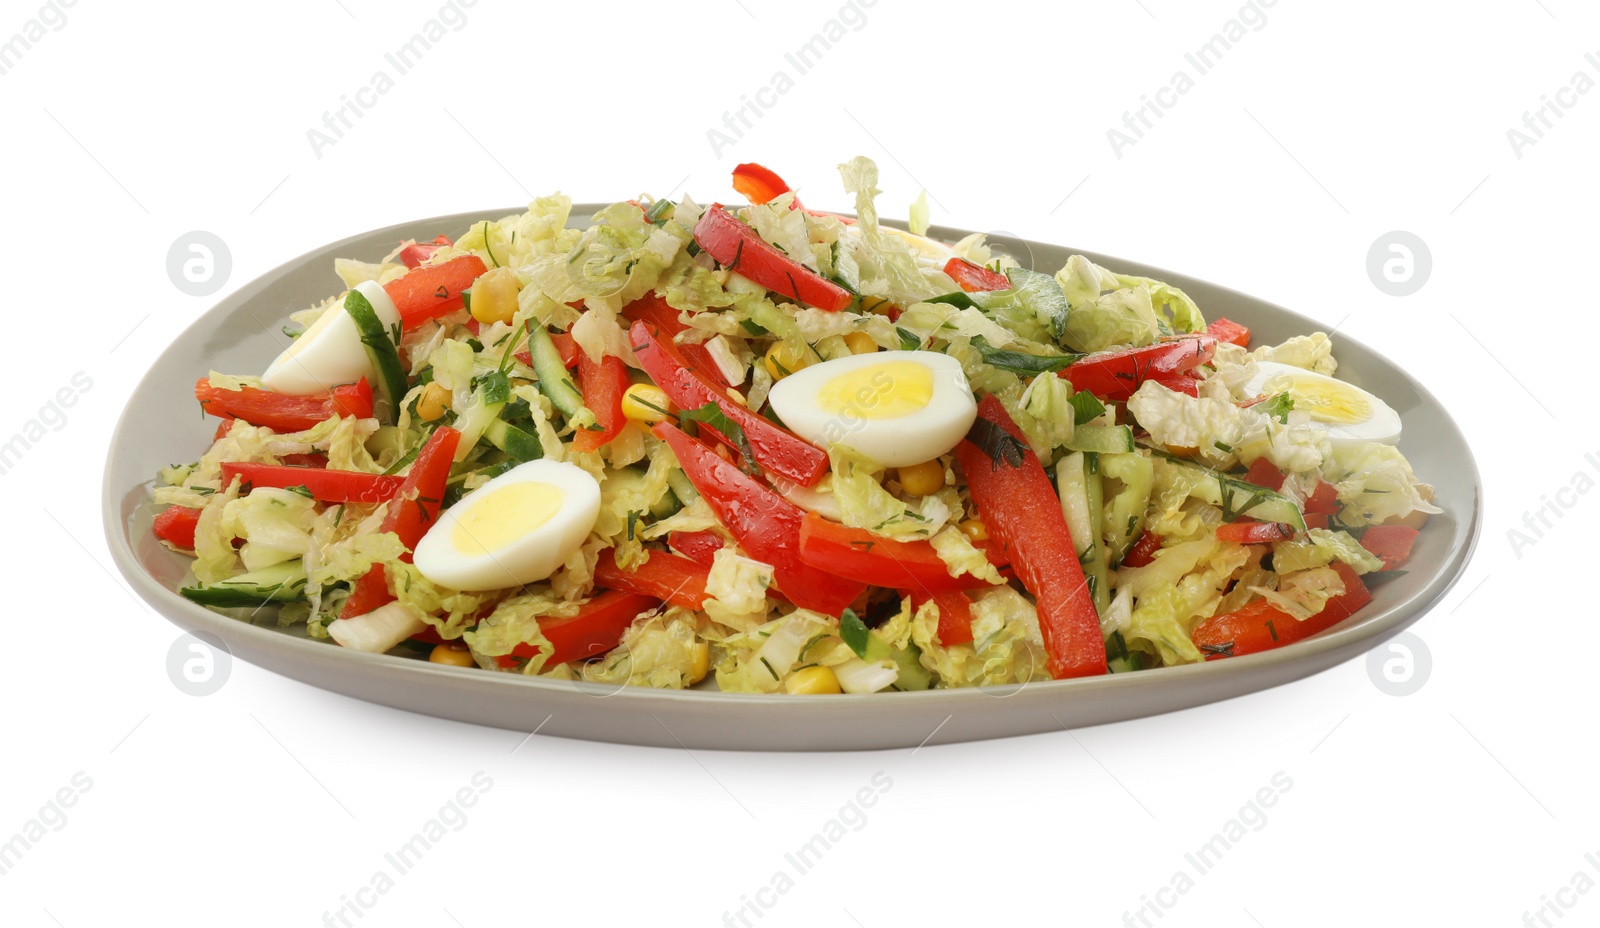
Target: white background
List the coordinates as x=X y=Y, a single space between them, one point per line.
x=269 y=802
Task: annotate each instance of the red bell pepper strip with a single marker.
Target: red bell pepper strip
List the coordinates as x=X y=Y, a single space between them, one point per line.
x=1250 y=532
x=775 y=448
x=759 y=184
x=283 y=413
x=329 y=486
x=1389 y=543
x=858 y=554
x=1115 y=375
x=222 y=428
x=565 y=346
x=596 y=629
x=1261 y=626
x=418 y=253
x=700 y=547
x=414 y=509
x=1263 y=473
x=314 y=459
x=1179 y=383
x=603 y=384
x=430 y=292
x=955 y=616
x=765 y=524
x=972 y=278
x=1143 y=552
x=1324 y=499
x=1018 y=504
x=666 y=576
x=175 y=525
x=737 y=247
x=1226 y=330
x=655 y=310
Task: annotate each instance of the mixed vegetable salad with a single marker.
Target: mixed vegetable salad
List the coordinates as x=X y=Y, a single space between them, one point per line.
x=802 y=452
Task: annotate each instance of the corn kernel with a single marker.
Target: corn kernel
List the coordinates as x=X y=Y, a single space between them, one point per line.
x=433 y=402
x=643 y=402
x=451 y=655
x=975 y=530
x=860 y=343
x=784 y=358
x=812 y=681
x=922 y=479
x=494 y=296
x=702 y=663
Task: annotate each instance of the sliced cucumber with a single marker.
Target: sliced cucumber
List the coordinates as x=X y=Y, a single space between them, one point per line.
x=666 y=506
x=1123 y=520
x=1101 y=439
x=682 y=488
x=1118 y=658
x=1236 y=497
x=554 y=380
x=280 y=583
x=870 y=646
x=912 y=675
x=513 y=441
x=1081 y=503
x=382 y=346
x=388 y=438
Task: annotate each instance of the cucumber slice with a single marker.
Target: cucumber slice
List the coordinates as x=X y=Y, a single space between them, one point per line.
x=912 y=675
x=870 y=646
x=513 y=441
x=1123 y=520
x=1118 y=658
x=280 y=583
x=554 y=380
x=1101 y=439
x=382 y=346
x=1080 y=503
x=1236 y=497
x=666 y=506
x=682 y=488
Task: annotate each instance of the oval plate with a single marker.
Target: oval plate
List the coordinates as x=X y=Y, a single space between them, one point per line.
x=242 y=334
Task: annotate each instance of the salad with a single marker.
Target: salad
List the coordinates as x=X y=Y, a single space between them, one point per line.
x=790 y=450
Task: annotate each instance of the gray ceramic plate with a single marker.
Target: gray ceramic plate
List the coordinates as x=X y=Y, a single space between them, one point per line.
x=241 y=335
